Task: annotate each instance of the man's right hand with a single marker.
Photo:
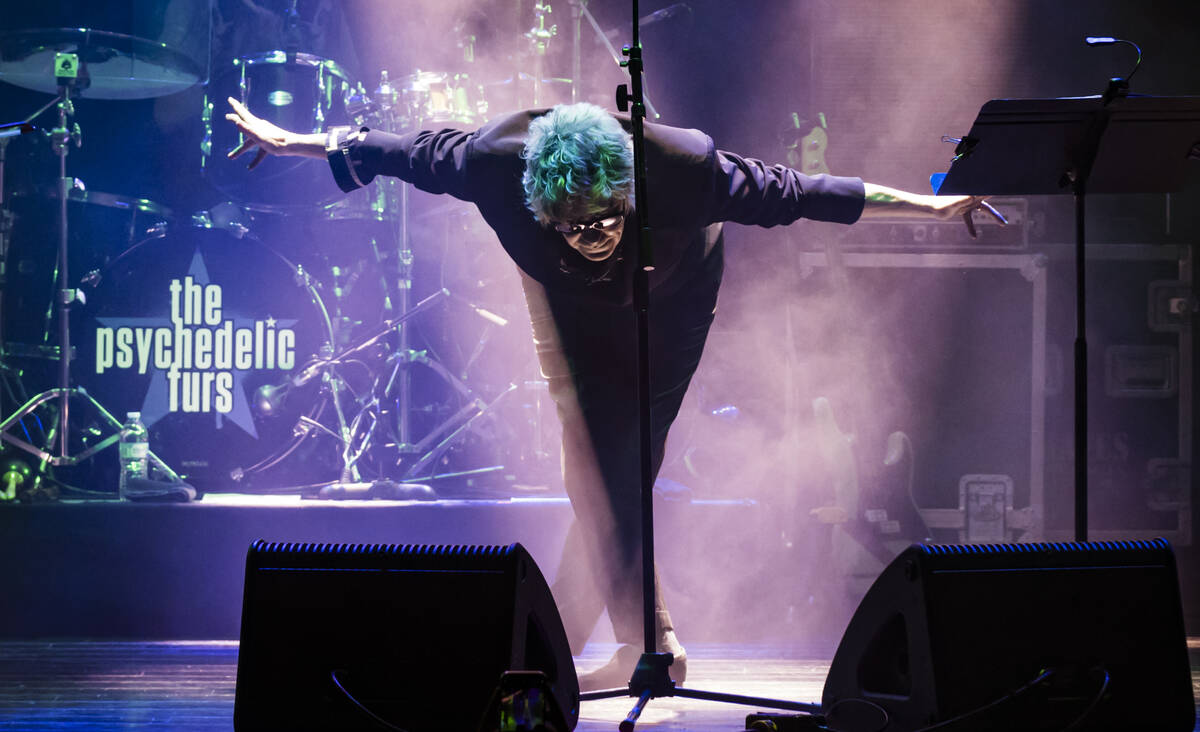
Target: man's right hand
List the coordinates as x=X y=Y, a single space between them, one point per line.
x=270 y=139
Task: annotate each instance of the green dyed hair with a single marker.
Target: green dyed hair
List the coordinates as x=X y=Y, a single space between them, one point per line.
x=578 y=163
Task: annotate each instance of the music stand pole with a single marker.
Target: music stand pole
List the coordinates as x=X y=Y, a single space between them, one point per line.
x=1081 y=367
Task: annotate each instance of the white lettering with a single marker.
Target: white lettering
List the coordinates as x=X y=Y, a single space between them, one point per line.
x=183 y=348
x=175 y=289
x=192 y=299
x=173 y=390
x=287 y=349
x=224 y=400
x=212 y=305
x=104 y=349
x=162 y=349
x=124 y=348
x=144 y=337
x=223 y=360
x=198 y=352
x=243 y=355
x=204 y=349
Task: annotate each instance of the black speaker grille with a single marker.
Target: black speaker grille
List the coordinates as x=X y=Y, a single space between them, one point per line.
x=384 y=556
x=1043 y=547
x=278 y=547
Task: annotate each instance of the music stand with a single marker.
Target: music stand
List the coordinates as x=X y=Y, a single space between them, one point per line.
x=1079 y=145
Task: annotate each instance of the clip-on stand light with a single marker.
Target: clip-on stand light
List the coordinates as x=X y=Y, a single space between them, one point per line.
x=651 y=679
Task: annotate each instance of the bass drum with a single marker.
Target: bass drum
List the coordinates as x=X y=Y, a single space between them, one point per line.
x=192 y=330
x=99 y=227
x=298 y=92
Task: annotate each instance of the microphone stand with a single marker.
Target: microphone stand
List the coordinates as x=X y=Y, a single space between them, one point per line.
x=651 y=679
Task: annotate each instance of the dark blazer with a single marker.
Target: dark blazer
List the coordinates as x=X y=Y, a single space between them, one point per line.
x=693 y=188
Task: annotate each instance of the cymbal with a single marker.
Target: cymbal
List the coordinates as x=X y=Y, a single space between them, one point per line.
x=107 y=200
x=116 y=66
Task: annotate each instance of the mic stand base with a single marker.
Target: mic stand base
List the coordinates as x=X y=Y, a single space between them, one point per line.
x=386 y=490
x=651 y=680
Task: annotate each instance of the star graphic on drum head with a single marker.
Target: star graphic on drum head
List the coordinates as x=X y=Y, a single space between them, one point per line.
x=156 y=403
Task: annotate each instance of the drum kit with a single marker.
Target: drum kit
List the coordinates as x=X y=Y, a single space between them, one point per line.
x=290 y=338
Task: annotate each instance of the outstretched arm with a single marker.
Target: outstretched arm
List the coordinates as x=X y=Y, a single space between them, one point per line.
x=882 y=201
x=749 y=191
x=433 y=161
x=270 y=139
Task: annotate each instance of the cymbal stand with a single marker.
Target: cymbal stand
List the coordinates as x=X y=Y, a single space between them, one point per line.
x=61 y=137
x=419 y=452
x=579 y=7
x=396 y=203
x=354 y=440
x=539 y=38
x=357 y=435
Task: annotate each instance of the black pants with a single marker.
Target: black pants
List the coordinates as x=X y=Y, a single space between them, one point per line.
x=588 y=354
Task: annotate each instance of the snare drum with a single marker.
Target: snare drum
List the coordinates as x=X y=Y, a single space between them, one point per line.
x=186 y=329
x=299 y=92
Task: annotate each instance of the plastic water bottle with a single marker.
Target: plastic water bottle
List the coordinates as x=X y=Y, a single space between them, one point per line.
x=135 y=450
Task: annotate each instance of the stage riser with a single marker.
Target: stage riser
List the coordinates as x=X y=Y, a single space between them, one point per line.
x=143 y=571
x=176 y=571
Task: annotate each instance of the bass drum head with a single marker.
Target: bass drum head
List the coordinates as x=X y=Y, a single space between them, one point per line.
x=187 y=330
x=99 y=227
x=298 y=92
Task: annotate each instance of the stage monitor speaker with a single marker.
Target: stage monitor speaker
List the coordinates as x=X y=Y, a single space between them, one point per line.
x=953 y=636
x=418 y=635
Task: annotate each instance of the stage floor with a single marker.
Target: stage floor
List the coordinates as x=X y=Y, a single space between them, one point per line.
x=189 y=686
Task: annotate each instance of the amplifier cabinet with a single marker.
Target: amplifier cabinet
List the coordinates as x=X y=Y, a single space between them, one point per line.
x=1140 y=310
x=950 y=350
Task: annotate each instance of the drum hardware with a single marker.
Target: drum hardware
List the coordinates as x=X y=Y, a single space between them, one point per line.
x=434 y=96
x=202 y=401
x=522 y=89
x=13 y=474
x=395 y=195
x=10 y=378
x=297 y=91
x=63 y=134
x=466 y=419
x=539 y=39
x=416 y=100
x=370 y=431
x=580 y=7
x=108 y=65
x=357 y=435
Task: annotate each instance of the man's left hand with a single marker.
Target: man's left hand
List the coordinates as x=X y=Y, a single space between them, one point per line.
x=882 y=202
x=950 y=206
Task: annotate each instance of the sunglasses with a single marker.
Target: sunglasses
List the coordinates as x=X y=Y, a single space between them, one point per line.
x=603 y=225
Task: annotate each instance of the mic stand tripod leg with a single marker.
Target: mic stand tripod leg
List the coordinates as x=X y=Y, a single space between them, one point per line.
x=636 y=712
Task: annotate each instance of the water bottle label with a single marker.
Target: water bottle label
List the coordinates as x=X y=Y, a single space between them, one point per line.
x=134 y=450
